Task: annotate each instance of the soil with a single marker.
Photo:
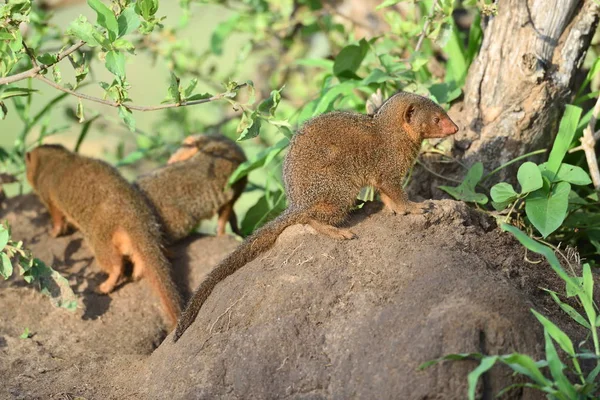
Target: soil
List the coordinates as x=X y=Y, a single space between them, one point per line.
x=312 y=318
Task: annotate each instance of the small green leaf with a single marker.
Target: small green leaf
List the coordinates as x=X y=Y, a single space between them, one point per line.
x=388 y=3
x=4 y=236
x=503 y=193
x=25 y=334
x=349 y=59
x=377 y=76
x=529 y=177
x=190 y=88
x=79 y=112
x=115 y=63
x=127 y=117
x=523 y=364
x=561 y=338
x=270 y=104
x=556 y=368
x=262 y=159
x=128 y=21
x=569 y=173
x=485 y=365
x=569 y=310
x=445 y=92
x=199 y=96
x=15 y=91
x=132 y=157
x=82 y=29
x=124 y=45
x=466 y=190
x=174 y=93
x=105 y=18
x=262 y=211
x=6 y=268
x=566 y=131
x=47 y=58
x=547 y=211
x=253 y=128
x=146 y=8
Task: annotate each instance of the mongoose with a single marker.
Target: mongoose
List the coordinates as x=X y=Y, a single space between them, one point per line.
x=192 y=187
x=112 y=215
x=329 y=160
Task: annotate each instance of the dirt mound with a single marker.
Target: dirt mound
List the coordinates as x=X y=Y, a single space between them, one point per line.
x=313 y=318
x=320 y=318
x=80 y=353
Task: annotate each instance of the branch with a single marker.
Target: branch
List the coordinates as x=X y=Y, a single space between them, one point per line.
x=33 y=72
x=588 y=144
x=133 y=107
x=425 y=27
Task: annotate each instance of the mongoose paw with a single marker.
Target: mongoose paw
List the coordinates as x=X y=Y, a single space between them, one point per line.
x=105 y=287
x=345 y=234
x=58 y=230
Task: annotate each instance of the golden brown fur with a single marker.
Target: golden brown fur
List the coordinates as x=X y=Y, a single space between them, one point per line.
x=192 y=187
x=330 y=159
x=112 y=215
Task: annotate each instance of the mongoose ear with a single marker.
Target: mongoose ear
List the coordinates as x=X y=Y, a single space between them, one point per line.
x=409 y=112
x=28 y=157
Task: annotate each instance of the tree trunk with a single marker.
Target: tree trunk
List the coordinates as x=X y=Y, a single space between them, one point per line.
x=517 y=87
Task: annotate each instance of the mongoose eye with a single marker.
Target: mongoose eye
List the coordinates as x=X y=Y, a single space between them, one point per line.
x=436 y=120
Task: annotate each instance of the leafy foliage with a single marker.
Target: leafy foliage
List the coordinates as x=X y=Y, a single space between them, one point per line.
x=34 y=271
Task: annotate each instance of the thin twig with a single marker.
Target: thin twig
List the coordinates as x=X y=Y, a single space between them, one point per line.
x=425 y=27
x=30 y=73
x=131 y=106
x=588 y=143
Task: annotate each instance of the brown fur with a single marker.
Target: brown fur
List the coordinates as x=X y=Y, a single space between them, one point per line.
x=330 y=159
x=111 y=214
x=193 y=186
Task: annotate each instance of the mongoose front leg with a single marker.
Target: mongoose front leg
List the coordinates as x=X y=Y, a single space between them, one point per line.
x=225 y=215
x=59 y=222
x=397 y=201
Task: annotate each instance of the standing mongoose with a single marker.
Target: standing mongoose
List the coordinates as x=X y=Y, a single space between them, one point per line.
x=193 y=186
x=112 y=215
x=329 y=160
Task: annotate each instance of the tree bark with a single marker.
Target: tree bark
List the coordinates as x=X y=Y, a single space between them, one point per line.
x=518 y=85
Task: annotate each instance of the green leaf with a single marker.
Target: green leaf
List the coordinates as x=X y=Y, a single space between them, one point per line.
x=547 y=211
x=262 y=211
x=349 y=59
x=503 y=193
x=146 y=8
x=174 y=92
x=82 y=29
x=523 y=364
x=124 y=45
x=253 y=128
x=199 y=96
x=466 y=190
x=115 y=63
x=569 y=310
x=457 y=66
x=530 y=177
x=445 y=92
x=270 y=104
x=4 y=236
x=485 y=365
x=262 y=159
x=128 y=21
x=15 y=91
x=327 y=99
x=127 y=117
x=557 y=367
x=79 y=112
x=25 y=334
x=561 y=338
x=221 y=32
x=132 y=157
x=568 y=173
x=388 y=3
x=566 y=131
x=190 y=88
x=377 y=76
x=47 y=58
x=6 y=268
x=105 y=18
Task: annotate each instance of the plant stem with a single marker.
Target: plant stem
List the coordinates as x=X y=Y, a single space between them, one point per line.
x=514 y=160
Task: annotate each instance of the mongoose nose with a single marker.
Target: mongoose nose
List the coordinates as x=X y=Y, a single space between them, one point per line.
x=448 y=126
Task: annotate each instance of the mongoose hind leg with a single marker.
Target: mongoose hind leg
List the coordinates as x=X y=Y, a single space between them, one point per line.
x=226 y=213
x=397 y=201
x=111 y=262
x=323 y=218
x=59 y=221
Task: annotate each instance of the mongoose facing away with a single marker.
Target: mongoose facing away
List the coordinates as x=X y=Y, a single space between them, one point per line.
x=193 y=186
x=112 y=215
x=329 y=160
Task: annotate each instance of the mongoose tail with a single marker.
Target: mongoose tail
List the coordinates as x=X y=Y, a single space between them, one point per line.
x=150 y=262
x=259 y=242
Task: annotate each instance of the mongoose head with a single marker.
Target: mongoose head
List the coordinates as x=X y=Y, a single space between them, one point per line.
x=418 y=116
x=32 y=160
